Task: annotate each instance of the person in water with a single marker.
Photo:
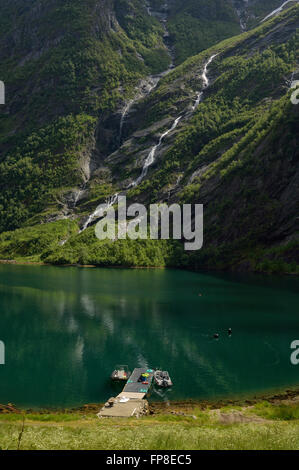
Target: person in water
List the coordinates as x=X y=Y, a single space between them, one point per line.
x=230 y=332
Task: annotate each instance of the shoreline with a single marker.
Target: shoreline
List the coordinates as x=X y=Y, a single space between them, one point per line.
x=289 y=395
x=96 y=266
x=40 y=263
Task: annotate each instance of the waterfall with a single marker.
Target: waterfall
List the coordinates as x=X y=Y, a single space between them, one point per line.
x=96 y=214
x=151 y=156
x=205 y=80
x=278 y=10
x=148 y=162
x=78 y=194
x=198 y=100
x=148 y=8
x=243 y=24
x=152 y=83
x=143 y=89
x=146 y=86
x=124 y=114
x=241 y=12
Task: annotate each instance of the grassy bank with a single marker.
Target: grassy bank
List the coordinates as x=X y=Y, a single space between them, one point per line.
x=263 y=425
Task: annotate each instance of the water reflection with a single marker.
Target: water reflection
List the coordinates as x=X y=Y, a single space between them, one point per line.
x=65 y=329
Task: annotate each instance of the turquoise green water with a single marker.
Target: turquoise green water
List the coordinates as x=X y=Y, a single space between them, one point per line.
x=64 y=329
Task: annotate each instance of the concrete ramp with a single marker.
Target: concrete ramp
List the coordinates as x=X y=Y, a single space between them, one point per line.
x=125 y=409
x=136 y=396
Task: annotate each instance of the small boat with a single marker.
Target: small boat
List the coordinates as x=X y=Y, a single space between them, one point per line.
x=120 y=373
x=162 y=379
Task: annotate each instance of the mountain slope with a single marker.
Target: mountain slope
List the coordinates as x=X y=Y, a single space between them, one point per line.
x=64 y=65
x=238 y=154
x=196 y=25
x=235 y=151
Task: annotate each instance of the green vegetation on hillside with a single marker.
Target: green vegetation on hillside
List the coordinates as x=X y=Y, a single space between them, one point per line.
x=30 y=243
x=77 y=62
x=59 y=243
x=196 y=25
x=87 y=249
x=47 y=160
x=236 y=154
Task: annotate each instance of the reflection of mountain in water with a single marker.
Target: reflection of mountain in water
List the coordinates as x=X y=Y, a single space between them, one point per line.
x=73 y=326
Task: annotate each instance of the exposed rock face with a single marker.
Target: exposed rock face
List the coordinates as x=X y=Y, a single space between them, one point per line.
x=266 y=188
x=62 y=63
x=91 y=93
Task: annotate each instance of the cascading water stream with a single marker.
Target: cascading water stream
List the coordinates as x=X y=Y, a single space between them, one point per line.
x=97 y=213
x=79 y=194
x=124 y=114
x=152 y=83
x=205 y=80
x=148 y=162
x=241 y=12
x=153 y=80
x=144 y=88
x=278 y=10
x=151 y=156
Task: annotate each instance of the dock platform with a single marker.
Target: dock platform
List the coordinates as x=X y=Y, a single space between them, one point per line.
x=134 y=386
x=131 y=401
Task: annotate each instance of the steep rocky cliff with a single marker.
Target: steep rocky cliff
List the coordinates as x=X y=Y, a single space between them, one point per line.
x=92 y=91
x=66 y=65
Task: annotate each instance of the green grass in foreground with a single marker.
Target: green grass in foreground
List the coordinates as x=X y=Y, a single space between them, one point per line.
x=273 y=427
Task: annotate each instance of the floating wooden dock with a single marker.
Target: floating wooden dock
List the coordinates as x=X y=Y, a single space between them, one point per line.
x=136 y=387
x=131 y=401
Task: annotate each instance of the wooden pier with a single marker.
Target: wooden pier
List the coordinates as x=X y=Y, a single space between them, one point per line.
x=131 y=401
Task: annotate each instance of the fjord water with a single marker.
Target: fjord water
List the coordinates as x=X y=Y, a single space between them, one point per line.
x=64 y=329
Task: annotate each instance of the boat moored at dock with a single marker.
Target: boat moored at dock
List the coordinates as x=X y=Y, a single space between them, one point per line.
x=162 y=379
